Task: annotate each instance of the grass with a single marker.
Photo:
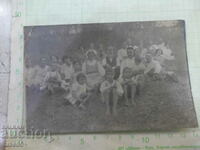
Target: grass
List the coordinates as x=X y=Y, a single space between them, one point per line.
x=161 y=106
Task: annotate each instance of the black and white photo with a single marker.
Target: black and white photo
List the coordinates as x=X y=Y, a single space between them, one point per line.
x=107 y=77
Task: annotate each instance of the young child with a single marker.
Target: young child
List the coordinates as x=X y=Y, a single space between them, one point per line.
x=162 y=59
x=52 y=80
x=112 y=61
x=54 y=61
x=158 y=56
x=93 y=69
x=80 y=92
x=30 y=74
x=153 y=67
x=129 y=86
x=111 y=90
x=77 y=69
x=42 y=70
x=122 y=53
x=167 y=52
x=67 y=71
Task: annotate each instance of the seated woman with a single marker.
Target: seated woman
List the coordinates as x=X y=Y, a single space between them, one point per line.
x=93 y=69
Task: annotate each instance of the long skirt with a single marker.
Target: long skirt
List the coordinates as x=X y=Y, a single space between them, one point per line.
x=94 y=79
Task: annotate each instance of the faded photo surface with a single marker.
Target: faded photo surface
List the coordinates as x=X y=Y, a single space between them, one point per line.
x=107 y=77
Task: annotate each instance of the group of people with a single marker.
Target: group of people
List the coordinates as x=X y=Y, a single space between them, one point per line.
x=115 y=74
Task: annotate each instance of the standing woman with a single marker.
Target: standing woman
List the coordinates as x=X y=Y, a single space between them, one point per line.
x=93 y=69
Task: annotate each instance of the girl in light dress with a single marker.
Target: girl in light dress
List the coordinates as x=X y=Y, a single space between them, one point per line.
x=77 y=69
x=42 y=70
x=48 y=74
x=80 y=92
x=52 y=80
x=67 y=71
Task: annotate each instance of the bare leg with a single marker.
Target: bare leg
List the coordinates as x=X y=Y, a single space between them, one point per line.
x=106 y=98
x=133 y=91
x=141 y=82
x=115 y=100
x=50 y=88
x=102 y=98
x=126 y=95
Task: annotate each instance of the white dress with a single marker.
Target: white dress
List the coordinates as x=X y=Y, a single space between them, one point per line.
x=76 y=92
x=94 y=72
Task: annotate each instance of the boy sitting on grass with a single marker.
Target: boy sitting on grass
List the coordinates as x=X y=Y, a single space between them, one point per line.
x=111 y=90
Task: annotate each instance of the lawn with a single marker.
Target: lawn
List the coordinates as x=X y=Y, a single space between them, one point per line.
x=162 y=105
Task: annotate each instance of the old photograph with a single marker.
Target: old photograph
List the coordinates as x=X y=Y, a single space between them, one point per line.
x=107 y=77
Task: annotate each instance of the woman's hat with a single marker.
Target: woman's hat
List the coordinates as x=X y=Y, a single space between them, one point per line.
x=91 y=51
